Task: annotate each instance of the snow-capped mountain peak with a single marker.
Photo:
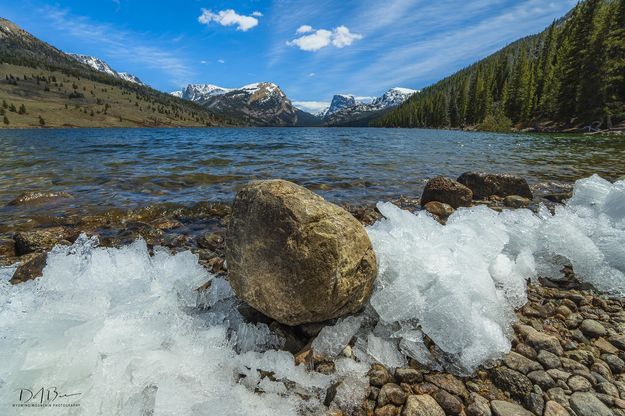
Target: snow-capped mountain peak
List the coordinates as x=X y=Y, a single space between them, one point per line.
x=394 y=97
x=339 y=102
x=198 y=92
x=101 y=66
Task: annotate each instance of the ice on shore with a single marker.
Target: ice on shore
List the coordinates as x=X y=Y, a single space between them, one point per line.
x=121 y=328
x=461 y=282
x=132 y=335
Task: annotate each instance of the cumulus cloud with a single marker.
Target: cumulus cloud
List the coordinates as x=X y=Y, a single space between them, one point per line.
x=304 y=29
x=230 y=18
x=339 y=37
x=221 y=61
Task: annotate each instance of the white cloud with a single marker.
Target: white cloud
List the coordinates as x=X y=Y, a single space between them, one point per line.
x=312 y=107
x=339 y=37
x=203 y=62
x=230 y=18
x=313 y=42
x=221 y=61
x=343 y=37
x=312 y=74
x=304 y=29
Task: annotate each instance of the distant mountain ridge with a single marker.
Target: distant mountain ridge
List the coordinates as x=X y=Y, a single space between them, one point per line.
x=258 y=104
x=102 y=66
x=56 y=90
x=346 y=110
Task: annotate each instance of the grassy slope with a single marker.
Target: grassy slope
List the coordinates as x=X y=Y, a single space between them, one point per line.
x=58 y=110
x=138 y=106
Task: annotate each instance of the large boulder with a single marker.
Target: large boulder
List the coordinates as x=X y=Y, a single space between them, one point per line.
x=295 y=257
x=484 y=185
x=446 y=190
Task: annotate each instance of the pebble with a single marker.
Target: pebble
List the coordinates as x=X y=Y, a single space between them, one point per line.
x=408 y=375
x=587 y=404
x=555 y=409
x=448 y=402
x=592 y=328
x=501 y=408
x=548 y=359
x=391 y=393
x=579 y=383
x=512 y=381
x=520 y=363
x=421 y=405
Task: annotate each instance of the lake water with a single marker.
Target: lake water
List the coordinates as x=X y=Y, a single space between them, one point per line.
x=106 y=168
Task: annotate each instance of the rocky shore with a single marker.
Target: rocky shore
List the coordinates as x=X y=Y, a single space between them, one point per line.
x=568 y=346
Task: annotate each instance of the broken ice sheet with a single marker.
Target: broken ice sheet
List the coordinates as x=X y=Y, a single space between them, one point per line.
x=334 y=338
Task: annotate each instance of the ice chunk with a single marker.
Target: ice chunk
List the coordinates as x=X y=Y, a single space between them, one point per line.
x=385 y=352
x=333 y=339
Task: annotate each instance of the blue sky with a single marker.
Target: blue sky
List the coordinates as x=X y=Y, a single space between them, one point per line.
x=311 y=48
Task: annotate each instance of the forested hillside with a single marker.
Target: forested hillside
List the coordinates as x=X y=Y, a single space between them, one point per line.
x=570 y=75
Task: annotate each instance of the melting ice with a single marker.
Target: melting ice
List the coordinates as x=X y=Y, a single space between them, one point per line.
x=129 y=333
x=460 y=283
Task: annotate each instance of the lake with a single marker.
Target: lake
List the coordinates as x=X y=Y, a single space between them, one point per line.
x=109 y=168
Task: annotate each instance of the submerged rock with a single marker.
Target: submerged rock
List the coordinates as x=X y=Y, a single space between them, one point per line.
x=39 y=197
x=295 y=257
x=484 y=185
x=39 y=240
x=439 y=209
x=447 y=191
x=515 y=201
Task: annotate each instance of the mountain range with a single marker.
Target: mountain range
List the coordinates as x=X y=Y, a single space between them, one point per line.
x=266 y=104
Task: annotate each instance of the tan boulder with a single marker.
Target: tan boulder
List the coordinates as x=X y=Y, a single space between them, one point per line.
x=296 y=257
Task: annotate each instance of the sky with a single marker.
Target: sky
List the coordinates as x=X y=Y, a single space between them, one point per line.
x=312 y=49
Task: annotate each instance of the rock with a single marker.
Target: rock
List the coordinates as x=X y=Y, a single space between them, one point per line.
x=548 y=359
x=408 y=375
x=535 y=403
x=37 y=240
x=618 y=341
x=516 y=201
x=557 y=394
x=388 y=410
x=421 y=405
x=581 y=356
x=30 y=270
x=379 y=376
x=607 y=388
x=512 y=381
x=542 y=341
x=616 y=364
x=558 y=197
x=592 y=328
x=391 y=393
x=448 y=191
x=526 y=351
x=39 y=197
x=450 y=404
x=210 y=241
x=295 y=257
x=484 y=185
x=605 y=346
x=520 y=363
x=554 y=409
x=501 y=408
x=542 y=379
x=478 y=409
x=579 y=383
x=7 y=248
x=439 y=209
x=449 y=383
x=587 y=404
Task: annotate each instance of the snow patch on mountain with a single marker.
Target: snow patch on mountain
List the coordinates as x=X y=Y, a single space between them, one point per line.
x=101 y=66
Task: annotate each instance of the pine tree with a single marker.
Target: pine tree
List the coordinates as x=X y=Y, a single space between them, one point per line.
x=6 y=120
x=615 y=67
x=22 y=109
x=42 y=122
